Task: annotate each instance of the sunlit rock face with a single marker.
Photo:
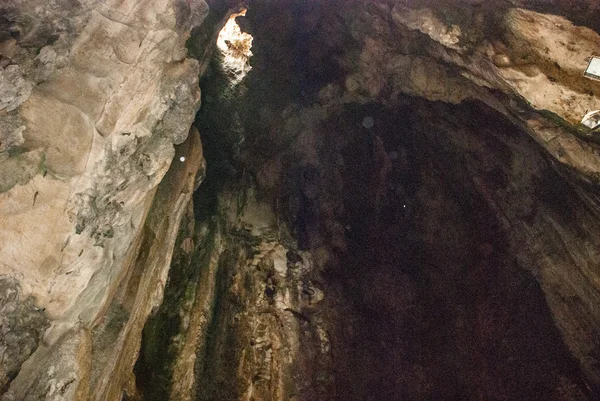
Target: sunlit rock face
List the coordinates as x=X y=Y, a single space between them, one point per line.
x=395 y=202
x=94 y=96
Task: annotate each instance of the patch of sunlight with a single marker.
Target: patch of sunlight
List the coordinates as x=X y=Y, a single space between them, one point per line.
x=235 y=46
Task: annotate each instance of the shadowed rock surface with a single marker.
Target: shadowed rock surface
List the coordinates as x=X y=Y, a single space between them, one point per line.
x=397 y=202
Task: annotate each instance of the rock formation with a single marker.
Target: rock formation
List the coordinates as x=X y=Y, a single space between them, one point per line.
x=397 y=201
x=94 y=96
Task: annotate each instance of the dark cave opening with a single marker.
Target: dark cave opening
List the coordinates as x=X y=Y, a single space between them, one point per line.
x=438 y=305
x=426 y=298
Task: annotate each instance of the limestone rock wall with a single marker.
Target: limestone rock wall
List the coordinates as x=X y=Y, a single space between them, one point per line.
x=312 y=263
x=525 y=64
x=536 y=61
x=530 y=178
x=94 y=96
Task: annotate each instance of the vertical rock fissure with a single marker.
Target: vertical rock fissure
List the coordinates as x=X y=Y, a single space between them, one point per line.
x=177 y=338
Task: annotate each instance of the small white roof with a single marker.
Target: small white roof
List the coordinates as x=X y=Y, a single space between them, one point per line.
x=593 y=68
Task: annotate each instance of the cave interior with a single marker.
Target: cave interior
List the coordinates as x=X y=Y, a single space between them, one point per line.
x=407 y=208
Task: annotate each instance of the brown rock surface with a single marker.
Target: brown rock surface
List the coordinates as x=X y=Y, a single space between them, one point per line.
x=399 y=201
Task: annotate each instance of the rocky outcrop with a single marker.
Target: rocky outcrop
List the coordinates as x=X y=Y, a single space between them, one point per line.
x=94 y=96
x=22 y=326
x=399 y=202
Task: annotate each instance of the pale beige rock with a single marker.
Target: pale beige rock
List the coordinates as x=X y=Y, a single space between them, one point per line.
x=114 y=95
x=426 y=21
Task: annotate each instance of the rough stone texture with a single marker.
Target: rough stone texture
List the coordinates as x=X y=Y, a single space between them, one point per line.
x=453 y=247
x=262 y=321
x=60 y=373
x=323 y=258
x=93 y=97
x=22 y=326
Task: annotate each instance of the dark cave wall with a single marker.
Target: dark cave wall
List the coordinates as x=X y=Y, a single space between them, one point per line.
x=413 y=252
x=433 y=256
x=436 y=305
